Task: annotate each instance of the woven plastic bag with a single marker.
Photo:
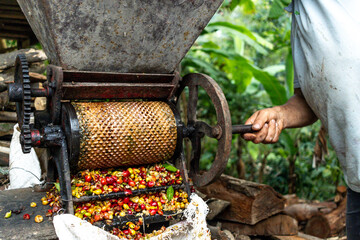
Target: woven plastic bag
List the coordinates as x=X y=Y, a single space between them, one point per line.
x=24 y=169
x=69 y=227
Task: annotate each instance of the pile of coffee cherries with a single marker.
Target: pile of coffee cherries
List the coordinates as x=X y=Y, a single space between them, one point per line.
x=52 y=199
x=145 y=204
x=96 y=182
x=131 y=231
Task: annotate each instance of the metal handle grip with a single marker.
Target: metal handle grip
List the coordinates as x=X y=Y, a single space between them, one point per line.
x=241 y=129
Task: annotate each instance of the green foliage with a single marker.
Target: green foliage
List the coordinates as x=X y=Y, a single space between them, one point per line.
x=277 y=8
x=11 y=43
x=246 y=49
x=170 y=193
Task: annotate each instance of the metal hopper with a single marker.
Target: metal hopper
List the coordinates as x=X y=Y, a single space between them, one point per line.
x=133 y=36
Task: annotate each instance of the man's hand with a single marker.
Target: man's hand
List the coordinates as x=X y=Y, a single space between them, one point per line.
x=270 y=122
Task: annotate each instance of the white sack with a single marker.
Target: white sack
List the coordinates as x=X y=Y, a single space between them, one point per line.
x=69 y=227
x=24 y=168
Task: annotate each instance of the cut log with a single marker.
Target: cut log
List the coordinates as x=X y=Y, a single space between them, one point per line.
x=7 y=75
x=281 y=225
x=341 y=189
x=242 y=237
x=250 y=202
x=291 y=199
x=4 y=153
x=36 y=77
x=7 y=60
x=8 y=116
x=216 y=206
x=305 y=211
x=217 y=234
x=328 y=225
x=4 y=156
x=337 y=218
x=340 y=193
x=299 y=236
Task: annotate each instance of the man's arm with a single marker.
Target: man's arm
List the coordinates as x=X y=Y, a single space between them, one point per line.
x=270 y=122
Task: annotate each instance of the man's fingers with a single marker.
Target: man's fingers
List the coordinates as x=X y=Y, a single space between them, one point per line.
x=252 y=118
x=261 y=135
x=279 y=127
x=271 y=132
x=261 y=119
x=249 y=136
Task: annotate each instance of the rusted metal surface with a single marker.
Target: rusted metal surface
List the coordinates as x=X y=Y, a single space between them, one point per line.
x=222 y=131
x=118 y=36
x=115 y=134
x=54 y=81
x=117 y=195
x=77 y=85
x=90 y=91
x=241 y=129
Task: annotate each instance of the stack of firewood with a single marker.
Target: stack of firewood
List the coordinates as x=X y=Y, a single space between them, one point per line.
x=320 y=219
x=8 y=116
x=241 y=209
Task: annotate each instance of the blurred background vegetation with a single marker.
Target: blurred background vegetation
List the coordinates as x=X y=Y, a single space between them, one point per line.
x=246 y=49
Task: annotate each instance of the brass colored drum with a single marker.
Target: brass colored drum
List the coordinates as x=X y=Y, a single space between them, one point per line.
x=115 y=134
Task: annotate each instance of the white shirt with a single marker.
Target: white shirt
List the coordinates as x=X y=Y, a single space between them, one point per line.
x=326 y=52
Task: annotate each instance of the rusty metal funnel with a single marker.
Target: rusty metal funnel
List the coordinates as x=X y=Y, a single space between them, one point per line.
x=149 y=36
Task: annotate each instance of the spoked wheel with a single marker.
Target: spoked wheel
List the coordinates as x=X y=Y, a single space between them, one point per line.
x=196 y=129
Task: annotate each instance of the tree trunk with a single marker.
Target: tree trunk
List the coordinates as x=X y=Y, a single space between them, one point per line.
x=292 y=175
x=240 y=166
x=262 y=168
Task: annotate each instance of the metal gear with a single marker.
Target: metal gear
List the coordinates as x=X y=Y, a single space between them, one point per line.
x=23 y=108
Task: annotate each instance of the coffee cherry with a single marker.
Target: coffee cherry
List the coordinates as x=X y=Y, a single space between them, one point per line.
x=38 y=218
x=87 y=178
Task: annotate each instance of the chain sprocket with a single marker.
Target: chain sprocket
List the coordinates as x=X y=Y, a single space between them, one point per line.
x=23 y=108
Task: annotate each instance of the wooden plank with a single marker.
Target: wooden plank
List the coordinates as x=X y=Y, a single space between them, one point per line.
x=11 y=14
x=14 y=21
x=17 y=228
x=9 y=7
x=15 y=28
x=12 y=35
x=9 y=2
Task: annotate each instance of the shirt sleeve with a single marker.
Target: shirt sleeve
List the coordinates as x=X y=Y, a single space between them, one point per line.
x=296 y=83
x=290 y=9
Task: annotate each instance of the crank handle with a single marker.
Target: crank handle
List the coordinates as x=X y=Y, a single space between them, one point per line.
x=241 y=129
